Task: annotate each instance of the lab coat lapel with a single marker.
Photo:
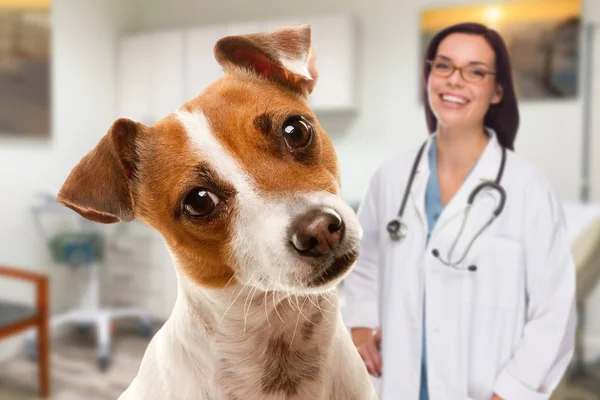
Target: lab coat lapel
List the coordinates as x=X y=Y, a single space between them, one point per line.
x=419 y=185
x=486 y=169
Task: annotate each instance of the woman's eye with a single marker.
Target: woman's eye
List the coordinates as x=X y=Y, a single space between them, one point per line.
x=200 y=202
x=477 y=72
x=441 y=66
x=297 y=132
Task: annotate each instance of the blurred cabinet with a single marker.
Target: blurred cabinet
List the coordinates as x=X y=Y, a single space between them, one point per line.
x=201 y=68
x=243 y=28
x=157 y=72
x=334 y=42
x=150 y=79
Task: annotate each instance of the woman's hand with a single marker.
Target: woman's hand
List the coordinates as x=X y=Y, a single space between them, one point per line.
x=367 y=342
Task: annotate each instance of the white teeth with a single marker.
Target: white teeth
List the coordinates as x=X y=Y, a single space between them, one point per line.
x=453 y=99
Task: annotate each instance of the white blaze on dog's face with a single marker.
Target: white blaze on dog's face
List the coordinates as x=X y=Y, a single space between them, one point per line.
x=240 y=180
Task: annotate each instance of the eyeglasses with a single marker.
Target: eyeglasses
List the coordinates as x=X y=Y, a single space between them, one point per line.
x=470 y=73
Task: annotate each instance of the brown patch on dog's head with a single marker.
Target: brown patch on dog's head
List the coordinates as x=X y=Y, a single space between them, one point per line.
x=249 y=118
x=225 y=169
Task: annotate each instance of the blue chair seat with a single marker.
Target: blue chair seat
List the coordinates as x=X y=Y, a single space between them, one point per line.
x=11 y=313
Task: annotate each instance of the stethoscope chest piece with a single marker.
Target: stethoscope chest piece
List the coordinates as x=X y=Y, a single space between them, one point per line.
x=397 y=229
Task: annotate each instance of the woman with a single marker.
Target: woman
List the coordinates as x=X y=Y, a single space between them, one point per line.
x=450 y=311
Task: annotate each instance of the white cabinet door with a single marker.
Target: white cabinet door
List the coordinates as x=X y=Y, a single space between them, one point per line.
x=133 y=75
x=334 y=43
x=270 y=24
x=167 y=78
x=243 y=28
x=201 y=67
x=150 y=76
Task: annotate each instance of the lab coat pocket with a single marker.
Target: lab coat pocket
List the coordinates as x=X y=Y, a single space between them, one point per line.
x=499 y=280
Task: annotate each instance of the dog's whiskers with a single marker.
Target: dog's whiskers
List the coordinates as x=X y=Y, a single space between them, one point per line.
x=307 y=297
x=288 y=298
x=318 y=307
x=296 y=327
x=297 y=302
x=244 y=309
x=275 y=307
x=255 y=282
x=304 y=316
x=228 y=282
x=275 y=291
x=266 y=312
x=326 y=296
x=234 y=300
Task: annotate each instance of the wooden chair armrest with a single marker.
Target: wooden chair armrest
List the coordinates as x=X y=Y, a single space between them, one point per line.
x=41 y=283
x=23 y=275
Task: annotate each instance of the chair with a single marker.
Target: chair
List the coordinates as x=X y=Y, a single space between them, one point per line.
x=82 y=248
x=15 y=318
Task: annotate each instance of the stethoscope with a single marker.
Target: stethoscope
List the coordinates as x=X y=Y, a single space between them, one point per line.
x=398 y=229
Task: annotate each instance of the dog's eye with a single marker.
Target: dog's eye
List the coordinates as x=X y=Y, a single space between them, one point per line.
x=200 y=202
x=297 y=132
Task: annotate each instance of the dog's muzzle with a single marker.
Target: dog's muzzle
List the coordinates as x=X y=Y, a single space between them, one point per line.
x=318 y=232
x=317 y=237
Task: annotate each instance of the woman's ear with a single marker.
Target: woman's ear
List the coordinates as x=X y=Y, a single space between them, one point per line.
x=498 y=94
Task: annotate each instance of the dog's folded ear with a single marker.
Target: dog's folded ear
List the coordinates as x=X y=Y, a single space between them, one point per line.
x=284 y=55
x=99 y=186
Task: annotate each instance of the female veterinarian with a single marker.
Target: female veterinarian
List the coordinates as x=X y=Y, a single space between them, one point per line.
x=464 y=288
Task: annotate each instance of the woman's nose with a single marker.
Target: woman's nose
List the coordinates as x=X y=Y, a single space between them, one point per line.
x=455 y=79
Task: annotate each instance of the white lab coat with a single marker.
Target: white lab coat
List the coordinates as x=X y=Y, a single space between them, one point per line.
x=507 y=328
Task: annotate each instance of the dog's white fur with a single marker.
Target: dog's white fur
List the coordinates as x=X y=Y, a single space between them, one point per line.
x=182 y=359
x=213 y=345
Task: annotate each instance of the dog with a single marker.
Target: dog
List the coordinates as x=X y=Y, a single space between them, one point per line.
x=243 y=185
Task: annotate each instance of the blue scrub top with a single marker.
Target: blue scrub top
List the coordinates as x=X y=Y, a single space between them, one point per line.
x=433 y=209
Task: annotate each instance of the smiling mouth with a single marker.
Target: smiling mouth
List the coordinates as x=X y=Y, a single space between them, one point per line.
x=338 y=267
x=454 y=100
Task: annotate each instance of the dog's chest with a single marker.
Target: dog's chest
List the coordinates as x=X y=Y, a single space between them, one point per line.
x=286 y=360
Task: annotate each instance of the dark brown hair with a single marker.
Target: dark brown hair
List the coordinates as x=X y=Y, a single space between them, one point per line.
x=503 y=117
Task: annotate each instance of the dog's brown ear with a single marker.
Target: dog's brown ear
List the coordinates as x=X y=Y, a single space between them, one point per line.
x=98 y=187
x=284 y=55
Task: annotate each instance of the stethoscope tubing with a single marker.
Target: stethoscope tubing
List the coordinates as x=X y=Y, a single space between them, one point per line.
x=396 y=227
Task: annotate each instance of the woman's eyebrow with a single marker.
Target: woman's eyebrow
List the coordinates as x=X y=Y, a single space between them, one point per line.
x=470 y=62
x=478 y=63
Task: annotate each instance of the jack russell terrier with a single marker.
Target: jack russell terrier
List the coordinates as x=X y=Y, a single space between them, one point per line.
x=243 y=185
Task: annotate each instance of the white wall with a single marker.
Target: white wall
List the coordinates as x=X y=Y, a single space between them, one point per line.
x=390 y=117
x=83 y=97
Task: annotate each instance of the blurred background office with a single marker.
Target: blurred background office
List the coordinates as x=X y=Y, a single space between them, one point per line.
x=69 y=68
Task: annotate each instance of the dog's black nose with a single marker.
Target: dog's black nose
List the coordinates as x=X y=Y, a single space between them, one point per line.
x=317 y=232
